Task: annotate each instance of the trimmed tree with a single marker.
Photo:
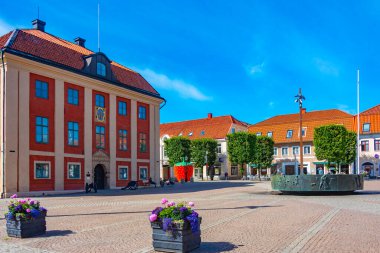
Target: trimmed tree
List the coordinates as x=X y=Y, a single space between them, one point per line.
x=199 y=148
x=177 y=149
x=263 y=153
x=334 y=143
x=241 y=148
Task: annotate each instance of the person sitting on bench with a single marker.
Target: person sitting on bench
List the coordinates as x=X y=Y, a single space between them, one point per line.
x=152 y=182
x=132 y=185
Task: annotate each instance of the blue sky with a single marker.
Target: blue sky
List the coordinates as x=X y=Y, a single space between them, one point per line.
x=245 y=58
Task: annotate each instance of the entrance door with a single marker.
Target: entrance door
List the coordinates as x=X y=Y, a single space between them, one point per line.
x=99 y=177
x=289 y=170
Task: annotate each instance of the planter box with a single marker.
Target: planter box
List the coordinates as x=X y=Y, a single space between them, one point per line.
x=181 y=239
x=26 y=228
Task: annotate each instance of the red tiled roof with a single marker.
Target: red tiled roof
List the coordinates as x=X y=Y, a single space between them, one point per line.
x=215 y=127
x=371 y=111
x=49 y=47
x=371 y=116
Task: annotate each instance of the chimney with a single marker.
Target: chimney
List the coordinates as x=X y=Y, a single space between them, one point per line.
x=39 y=25
x=303 y=111
x=80 y=41
x=209 y=115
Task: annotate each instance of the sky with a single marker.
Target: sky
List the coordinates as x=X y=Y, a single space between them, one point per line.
x=242 y=58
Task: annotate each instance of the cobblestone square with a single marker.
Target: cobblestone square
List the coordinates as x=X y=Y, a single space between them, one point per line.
x=238 y=216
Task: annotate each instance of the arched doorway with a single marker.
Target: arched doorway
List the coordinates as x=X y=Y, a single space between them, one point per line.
x=369 y=169
x=99 y=176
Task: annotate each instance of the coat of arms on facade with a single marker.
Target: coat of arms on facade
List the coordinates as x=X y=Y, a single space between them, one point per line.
x=100 y=114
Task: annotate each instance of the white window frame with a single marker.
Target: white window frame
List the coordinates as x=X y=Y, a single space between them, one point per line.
x=270 y=134
x=304 y=128
x=118 y=172
x=217 y=148
x=287 y=151
x=293 y=150
x=258 y=134
x=80 y=170
x=287 y=131
x=304 y=149
x=45 y=178
x=369 y=127
x=275 y=153
x=147 y=174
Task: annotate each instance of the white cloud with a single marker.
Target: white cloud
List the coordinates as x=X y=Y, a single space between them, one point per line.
x=184 y=89
x=256 y=69
x=5 y=27
x=346 y=109
x=326 y=67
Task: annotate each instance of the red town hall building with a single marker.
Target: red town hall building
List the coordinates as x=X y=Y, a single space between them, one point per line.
x=67 y=111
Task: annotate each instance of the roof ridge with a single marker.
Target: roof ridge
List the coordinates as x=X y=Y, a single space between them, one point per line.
x=11 y=38
x=370 y=109
x=193 y=120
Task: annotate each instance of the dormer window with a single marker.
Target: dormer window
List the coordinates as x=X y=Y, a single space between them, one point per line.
x=191 y=133
x=203 y=132
x=101 y=69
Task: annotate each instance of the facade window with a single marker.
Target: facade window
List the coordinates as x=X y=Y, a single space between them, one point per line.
x=275 y=151
x=73 y=171
x=143 y=173
x=142 y=112
x=42 y=130
x=365 y=145
x=219 y=148
x=191 y=134
x=100 y=137
x=270 y=134
x=303 y=131
x=180 y=134
x=42 y=170
x=258 y=134
x=73 y=133
x=289 y=134
x=377 y=145
x=42 y=89
x=307 y=150
x=142 y=142
x=123 y=139
x=232 y=130
x=73 y=96
x=234 y=170
x=123 y=173
x=296 y=150
x=203 y=132
x=366 y=127
x=99 y=100
x=101 y=69
x=284 y=151
x=122 y=108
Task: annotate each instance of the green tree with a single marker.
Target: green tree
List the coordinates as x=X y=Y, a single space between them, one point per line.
x=241 y=148
x=334 y=143
x=177 y=149
x=263 y=153
x=199 y=149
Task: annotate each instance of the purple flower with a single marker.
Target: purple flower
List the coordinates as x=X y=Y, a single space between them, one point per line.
x=43 y=209
x=183 y=209
x=193 y=220
x=14 y=196
x=171 y=203
x=157 y=210
x=28 y=210
x=167 y=224
x=191 y=204
x=31 y=202
x=164 y=201
x=10 y=216
x=22 y=201
x=35 y=213
x=18 y=208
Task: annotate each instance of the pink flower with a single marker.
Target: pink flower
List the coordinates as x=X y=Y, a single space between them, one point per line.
x=14 y=196
x=171 y=203
x=153 y=217
x=22 y=201
x=191 y=204
x=164 y=201
x=28 y=210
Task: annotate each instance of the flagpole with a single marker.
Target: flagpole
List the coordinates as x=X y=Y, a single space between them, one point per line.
x=358 y=122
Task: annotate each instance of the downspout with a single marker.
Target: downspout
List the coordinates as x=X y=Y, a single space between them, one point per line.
x=163 y=104
x=3 y=121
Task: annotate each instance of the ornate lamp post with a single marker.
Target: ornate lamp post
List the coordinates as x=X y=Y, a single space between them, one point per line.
x=299 y=100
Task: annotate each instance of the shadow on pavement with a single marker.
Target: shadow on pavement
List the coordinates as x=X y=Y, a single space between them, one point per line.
x=216 y=247
x=51 y=233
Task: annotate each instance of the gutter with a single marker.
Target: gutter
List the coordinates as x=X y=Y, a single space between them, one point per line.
x=3 y=121
x=163 y=104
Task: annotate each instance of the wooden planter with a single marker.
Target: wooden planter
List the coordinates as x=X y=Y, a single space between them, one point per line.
x=27 y=228
x=181 y=239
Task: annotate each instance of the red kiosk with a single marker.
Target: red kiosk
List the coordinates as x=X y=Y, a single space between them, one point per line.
x=183 y=170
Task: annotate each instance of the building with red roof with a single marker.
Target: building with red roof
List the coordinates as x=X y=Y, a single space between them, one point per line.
x=69 y=113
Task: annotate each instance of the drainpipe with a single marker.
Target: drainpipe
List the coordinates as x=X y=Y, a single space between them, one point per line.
x=3 y=121
x=163 y=104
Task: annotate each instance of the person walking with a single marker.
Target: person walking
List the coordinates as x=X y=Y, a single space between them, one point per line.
x=226 y=176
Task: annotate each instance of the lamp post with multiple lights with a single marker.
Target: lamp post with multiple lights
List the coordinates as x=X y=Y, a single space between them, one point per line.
x=299 y=100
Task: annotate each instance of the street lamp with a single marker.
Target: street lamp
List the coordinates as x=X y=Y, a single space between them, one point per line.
x=299 y=100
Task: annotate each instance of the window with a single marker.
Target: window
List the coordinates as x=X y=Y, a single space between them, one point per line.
x=296 y=150
x=42 y=89
x=42 y=170
x=100 y=137
x=180 y=134
x=270 y=134
x=284 y=151
x=365 y=145
x=73 y=171
x=73 y=96
x=73 y=133
x=42 y=130
x=122 y=108
x=377 y=145
x=219 y=148
x=123 y=139
x=99 y=100
x=234 y=170
x=203 y=132
x=142 y=142
x=303 y=131
x=258 y=134
x=143 y=173
x=101 y=69
x=366 y=127
x=123 y=173
x=191 y=134
x=307 y=150
x=233 y=130
x=289 y=134
x=142 y=112
x=274 y=151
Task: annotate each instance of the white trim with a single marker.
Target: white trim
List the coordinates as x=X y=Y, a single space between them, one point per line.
x=34 y=169
x=118 y=172
x=73 y=155
x=293 y=150
x=282 y=155
x=143 y=160
x=120 y=159
x=147 y=170
x=80 y=170
x=276 y=151
x=304 y=150
x=41 y=153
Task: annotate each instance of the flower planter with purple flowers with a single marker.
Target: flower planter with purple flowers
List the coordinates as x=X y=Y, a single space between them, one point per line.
x=176 y=228
x=25 y=218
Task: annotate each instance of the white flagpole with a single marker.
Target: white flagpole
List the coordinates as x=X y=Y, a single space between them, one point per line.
x=358 y=123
